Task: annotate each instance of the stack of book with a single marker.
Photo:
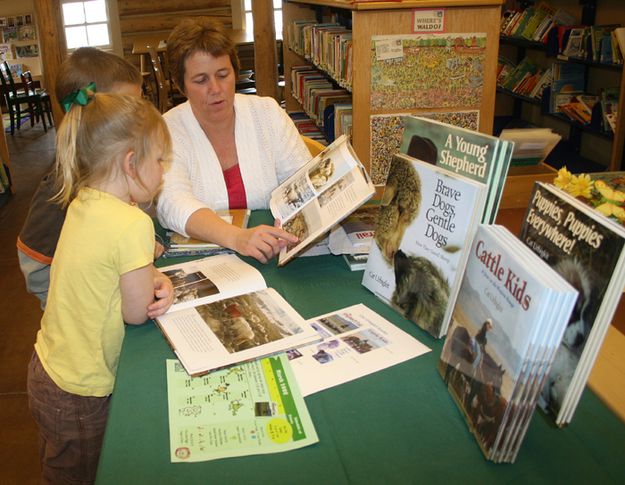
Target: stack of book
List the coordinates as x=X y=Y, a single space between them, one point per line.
x=352 y=237
x=508 y=320
x=531 y=145
x=480 y=157
x=177 y=245
x=587 y=249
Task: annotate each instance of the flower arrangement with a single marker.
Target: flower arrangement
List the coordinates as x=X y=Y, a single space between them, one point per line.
x=603 y=195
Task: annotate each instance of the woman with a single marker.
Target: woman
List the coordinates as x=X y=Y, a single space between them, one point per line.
x=230 y=150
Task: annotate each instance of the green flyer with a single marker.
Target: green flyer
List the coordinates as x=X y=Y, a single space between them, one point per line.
x=247 y=409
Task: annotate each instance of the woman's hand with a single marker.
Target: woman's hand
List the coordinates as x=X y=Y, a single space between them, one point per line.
x=163 y=295
x=262 y=242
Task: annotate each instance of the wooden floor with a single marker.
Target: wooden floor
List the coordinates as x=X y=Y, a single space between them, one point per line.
x=31 y=152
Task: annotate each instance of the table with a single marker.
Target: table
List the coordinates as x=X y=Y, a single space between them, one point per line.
x=396 y=426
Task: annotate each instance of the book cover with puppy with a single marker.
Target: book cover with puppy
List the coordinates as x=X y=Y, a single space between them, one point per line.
x=426 y=223
x=588 y=250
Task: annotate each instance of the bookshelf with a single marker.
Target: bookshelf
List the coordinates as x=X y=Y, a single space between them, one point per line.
x=367 y=19
x=586 y=146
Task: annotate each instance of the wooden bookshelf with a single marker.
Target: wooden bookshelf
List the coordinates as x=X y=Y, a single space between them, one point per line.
x=392 y=18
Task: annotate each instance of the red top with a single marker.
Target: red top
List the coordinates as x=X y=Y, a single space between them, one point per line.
x=235 y=187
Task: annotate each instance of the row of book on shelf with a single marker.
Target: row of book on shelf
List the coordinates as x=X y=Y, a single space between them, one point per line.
x=563 y=33
x=595 y=43
x=535 y=22
x=565 y=85
x=330 y=108
x=524 y=317
x=327 y=45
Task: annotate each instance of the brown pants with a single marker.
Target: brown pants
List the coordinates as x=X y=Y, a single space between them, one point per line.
x=71 y=428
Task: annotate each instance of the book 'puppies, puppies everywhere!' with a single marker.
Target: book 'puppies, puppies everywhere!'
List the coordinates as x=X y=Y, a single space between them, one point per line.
x=588 y=250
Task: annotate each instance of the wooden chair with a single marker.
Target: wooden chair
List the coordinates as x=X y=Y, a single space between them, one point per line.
x=167 y=93
x=16 y=98
x=42 y=103
x=314 y=147
x=162 y=84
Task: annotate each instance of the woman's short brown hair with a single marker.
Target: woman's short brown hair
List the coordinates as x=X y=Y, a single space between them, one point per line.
x=198 y=34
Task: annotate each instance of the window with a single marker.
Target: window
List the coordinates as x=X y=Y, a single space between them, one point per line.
x=86 y=24
x=277 y=16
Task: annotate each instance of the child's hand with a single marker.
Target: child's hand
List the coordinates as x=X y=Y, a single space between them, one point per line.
x=159 y=249
x=163 y=294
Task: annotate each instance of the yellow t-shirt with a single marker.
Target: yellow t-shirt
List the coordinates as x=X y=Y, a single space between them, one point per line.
x=82 y=328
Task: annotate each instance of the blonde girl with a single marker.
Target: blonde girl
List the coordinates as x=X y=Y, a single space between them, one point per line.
x=110 y=150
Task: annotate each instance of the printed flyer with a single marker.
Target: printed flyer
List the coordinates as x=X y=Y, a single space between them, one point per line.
x=251 y=408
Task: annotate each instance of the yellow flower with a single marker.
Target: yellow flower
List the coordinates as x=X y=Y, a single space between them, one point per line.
x=580 y=186
x=609 y=209
x=609 y=193
x=563 y=179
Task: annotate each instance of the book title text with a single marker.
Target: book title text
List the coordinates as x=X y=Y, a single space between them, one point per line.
x=463 y=156
x=560 y=226
x=512 y=283
x=442 y=212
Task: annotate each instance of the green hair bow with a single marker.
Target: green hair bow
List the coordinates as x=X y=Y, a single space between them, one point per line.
x=80 y=97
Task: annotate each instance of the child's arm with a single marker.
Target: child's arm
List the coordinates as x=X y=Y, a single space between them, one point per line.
x=137 y=288
x=163 y=294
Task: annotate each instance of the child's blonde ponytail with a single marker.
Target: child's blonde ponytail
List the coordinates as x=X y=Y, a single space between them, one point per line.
x=96 y=134
x=66 y=168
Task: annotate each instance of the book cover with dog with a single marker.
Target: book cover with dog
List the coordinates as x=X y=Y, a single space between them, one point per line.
x=510 y=305
x=588 y=250
x=480 y=157
x=426 y=221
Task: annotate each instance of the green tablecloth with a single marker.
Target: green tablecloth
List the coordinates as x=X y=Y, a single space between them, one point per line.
x=397 y=426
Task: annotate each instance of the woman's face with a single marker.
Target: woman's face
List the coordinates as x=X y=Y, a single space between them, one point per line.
x=209 y=84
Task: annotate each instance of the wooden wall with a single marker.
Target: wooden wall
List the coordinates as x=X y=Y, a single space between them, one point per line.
x=143 y=18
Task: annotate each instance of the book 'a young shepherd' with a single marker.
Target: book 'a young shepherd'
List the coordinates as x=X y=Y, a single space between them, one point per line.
x=426 y=222
x=588 y=250
x=475 y=155
x=510 y=314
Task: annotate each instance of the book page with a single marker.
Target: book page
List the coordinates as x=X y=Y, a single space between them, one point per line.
x=211 y=279
x=252 y=408
x=233 y=330
x=356 y=342
x=319 y=195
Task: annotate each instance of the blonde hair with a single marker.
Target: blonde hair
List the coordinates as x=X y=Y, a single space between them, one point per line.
x=198 y=34
x=93 y=139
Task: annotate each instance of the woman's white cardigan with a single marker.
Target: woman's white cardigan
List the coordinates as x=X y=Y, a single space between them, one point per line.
x=269 y=149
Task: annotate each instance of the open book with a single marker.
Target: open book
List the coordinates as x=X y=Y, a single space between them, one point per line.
x=223 y=313
x=319 y=195
x=177 y=245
